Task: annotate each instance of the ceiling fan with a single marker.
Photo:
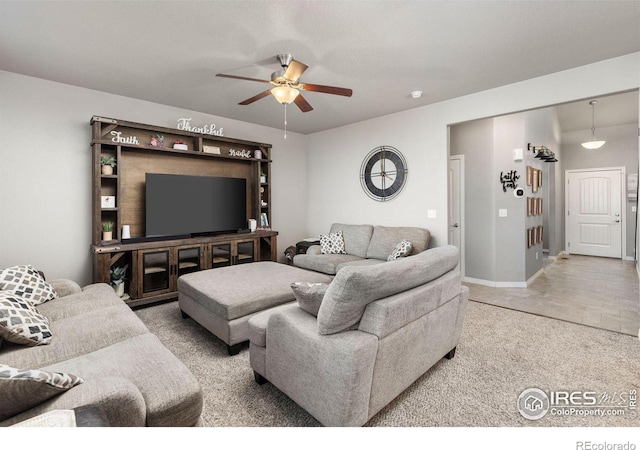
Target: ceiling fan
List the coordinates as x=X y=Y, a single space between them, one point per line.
x=287 y=86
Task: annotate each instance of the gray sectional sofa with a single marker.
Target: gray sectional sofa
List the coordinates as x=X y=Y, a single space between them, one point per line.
x=364 y=245
x=129 y=375
x=378 y=329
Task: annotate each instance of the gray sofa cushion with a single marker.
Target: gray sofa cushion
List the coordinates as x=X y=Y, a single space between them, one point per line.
x=354 y=288
x=359 y=263
x=93 y=297
x=323 y=263
x=356 y=238
x=76 y=336
x=384 y=239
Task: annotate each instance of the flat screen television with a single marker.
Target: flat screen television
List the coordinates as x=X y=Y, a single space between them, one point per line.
x=179 y=205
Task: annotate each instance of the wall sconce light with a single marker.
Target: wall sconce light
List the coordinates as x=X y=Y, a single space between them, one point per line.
x=542 y=153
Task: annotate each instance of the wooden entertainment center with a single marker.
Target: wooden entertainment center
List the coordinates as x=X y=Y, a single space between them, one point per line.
x=154 y=265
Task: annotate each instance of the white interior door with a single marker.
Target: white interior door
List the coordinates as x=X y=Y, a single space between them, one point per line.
x=594 y=212
x=456 y=205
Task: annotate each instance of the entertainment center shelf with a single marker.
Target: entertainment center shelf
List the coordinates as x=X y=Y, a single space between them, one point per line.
x=153 y=266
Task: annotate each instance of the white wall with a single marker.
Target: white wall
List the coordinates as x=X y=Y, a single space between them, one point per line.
x=421 y=134
x=45 y=170
x=45 y=182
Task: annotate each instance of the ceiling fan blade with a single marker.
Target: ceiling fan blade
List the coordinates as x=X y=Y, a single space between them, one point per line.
x=256 y=97
x=302 y=104
x=326 y=89
x=295 y=70
x=224 y=75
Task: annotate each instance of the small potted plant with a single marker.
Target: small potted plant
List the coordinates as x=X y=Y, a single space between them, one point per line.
x=107 y=164
x=117 y=279
x=107 y=231
x=263 y=177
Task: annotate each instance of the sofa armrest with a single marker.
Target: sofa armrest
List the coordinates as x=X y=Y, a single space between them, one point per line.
x=314 y=250
x=119 y=399
x=329 y=376
x=65 y=287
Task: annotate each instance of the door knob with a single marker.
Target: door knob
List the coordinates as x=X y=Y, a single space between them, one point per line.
x=455 y=225
x=617 y=221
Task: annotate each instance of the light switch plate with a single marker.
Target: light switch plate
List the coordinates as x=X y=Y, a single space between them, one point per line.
x=502 y=213
x=431 y=213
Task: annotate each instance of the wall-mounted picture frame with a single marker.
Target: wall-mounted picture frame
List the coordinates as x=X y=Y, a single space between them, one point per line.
x=529 y=237
x=539 y=177
x=529 y=175
x=535 y=235
x=540 y=236
x=534 y=181
x=539 y=206
x=529 y=206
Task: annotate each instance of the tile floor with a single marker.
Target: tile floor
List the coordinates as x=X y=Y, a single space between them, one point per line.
x=598 y=292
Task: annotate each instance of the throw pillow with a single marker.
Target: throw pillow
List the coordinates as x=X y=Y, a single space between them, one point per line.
x=21 y=323
x=402 y=249
x=23 y=389
x=26 y=282
x=309 y=295
x=332 y=244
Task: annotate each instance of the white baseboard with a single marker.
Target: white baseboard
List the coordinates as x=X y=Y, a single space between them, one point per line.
x=496 y=284
x=535 y=275
x=629 y=258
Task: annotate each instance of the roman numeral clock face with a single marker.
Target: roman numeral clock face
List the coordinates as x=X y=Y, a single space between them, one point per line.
x=383 y=173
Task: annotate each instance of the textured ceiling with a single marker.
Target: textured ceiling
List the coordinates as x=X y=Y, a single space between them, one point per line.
x=168 y=52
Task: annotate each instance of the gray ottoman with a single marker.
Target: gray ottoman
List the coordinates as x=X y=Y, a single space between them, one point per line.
x=223 y=300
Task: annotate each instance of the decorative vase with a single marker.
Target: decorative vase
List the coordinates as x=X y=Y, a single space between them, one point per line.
x=119 y=288
x=107 y=170
x=107 y=235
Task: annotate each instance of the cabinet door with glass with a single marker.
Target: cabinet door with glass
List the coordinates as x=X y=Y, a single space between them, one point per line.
x=245 y=251
x=220 y=255
x=188 y=260
x=154 y=271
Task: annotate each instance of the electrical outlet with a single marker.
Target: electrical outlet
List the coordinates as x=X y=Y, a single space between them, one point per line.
x=431 y=213
x=634 y=208
x=502 y=213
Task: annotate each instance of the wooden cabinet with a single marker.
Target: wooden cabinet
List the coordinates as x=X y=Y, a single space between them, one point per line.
x=222 y=254
x=153 y=267
x=157 y=270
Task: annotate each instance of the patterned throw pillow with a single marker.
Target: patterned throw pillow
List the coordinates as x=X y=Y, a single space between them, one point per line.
x=23 y=389
x=332 y=244
x=402 y=249
x=21 y=323
x=26 y=282
x=309 y=295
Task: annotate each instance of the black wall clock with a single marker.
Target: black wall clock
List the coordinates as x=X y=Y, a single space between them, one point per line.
x=383 y=173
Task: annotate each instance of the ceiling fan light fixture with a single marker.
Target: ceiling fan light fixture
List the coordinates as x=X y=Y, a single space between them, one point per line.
x=285 y=94
x=593 y=144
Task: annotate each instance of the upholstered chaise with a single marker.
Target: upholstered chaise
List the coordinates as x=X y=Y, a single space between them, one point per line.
x=378 y=329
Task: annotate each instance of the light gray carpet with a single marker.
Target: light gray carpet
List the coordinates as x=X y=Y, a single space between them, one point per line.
x=502 y=352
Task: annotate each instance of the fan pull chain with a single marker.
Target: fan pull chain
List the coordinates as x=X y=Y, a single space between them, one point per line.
x=285 y=120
